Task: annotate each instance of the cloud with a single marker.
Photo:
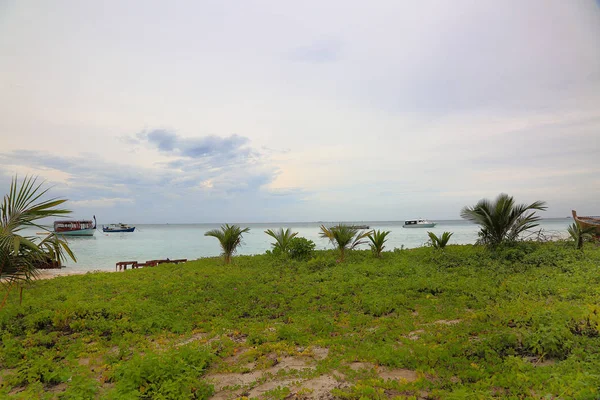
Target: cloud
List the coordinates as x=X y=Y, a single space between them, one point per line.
x=103 y=202
x=320 y=51
x=211 y=147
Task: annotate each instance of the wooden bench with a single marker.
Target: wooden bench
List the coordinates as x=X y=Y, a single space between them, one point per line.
x=122 y=265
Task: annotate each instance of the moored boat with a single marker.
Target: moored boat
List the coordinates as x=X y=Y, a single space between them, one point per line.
x=75 y=227
x=418 y=223
x=112 y=228
x=587 y=222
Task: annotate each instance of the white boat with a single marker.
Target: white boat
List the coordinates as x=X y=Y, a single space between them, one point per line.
x=418 y=223
x=75 y=227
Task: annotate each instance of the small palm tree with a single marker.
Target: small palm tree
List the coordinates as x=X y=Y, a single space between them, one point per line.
x=283 y=238
x=22 y=256
x=344 y=237
x=439 y=242
x=502 y=220
x=579 y=234
x=230 y=238
x=378 y=238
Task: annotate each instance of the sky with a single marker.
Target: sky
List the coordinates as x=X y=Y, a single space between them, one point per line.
x=267 y=111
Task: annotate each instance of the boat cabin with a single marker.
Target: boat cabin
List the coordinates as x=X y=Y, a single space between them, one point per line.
x=68 y=226
x=415 y=222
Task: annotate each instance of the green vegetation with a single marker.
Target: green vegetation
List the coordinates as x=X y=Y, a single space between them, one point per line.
x=522 y=321
x=22 y=256
x=283 y=239
x=344 y=237
x=378 y=239
x=580 y=235
x=439 y=242
x=301 y=248
x=502 y=220
x=230 y=238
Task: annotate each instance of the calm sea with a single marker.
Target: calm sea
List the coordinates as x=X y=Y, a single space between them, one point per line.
x=173 y=241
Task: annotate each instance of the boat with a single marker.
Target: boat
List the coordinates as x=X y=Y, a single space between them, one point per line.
x=117 y=228
x=587 y=222
x=418 y=223
x=75 y=227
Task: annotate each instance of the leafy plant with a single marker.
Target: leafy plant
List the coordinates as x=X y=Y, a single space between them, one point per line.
x=230 y=238
x=283 y=238
x=301 y=248
x=22 y=256
x=579 y=234
x=502 y=220
x=344 y=237
x=440 y=242
x=378 y=238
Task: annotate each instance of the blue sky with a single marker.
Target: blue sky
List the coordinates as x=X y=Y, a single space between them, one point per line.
x=205 y=111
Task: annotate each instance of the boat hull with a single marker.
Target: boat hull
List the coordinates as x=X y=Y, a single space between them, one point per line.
x=588 y=222
x=107 y=230
x=431 y=225
x=79 y=232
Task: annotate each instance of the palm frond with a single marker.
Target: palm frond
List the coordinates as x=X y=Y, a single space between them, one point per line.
x=502 y=220
x=230 y=238
x=283 y=238
x=22 y=207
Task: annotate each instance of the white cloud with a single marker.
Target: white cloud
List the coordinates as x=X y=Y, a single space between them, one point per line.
x=102 y=203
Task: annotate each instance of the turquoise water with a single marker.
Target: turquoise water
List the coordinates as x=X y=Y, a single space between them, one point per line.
x=148 y=242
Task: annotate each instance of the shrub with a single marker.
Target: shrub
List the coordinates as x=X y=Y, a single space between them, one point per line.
x=301 y=248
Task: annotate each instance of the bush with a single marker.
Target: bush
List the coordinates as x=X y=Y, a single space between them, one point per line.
x=301 y=248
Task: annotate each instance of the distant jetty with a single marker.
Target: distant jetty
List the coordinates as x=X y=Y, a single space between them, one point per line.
x=359 y=226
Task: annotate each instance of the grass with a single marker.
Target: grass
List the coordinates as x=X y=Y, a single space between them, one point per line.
x=519 y=322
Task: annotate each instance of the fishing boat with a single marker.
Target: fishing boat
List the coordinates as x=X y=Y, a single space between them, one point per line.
x=587 y=222
x=118 y=228
x=75 y=227
x=418 y=223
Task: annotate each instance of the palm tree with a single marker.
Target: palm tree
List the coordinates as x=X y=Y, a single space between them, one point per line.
x=283 y=238
x=502 y=220
x=22 y=256
x=344 y=237
x=230 y=238
x=378 y=238
x=579 y=234
x=439 y=242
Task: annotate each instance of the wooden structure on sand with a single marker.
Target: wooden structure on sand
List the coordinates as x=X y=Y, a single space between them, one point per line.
x=122 y=265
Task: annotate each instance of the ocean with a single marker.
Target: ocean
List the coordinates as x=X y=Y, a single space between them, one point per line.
x=174 y=241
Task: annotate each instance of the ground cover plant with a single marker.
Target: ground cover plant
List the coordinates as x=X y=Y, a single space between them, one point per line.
x=522 y=321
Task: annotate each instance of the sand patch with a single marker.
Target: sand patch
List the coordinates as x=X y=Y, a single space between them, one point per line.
x=448 y=322
x=320 y=353
x=415 y=335
x=233 y=380
x=319 y=388
x=260 y=390
x=357 y=366
x=84 y=361
x=230 y=385
x=195 y=337
x=399 y=374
